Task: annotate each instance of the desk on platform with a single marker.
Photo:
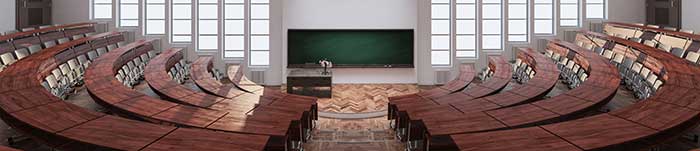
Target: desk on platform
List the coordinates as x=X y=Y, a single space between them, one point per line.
x=310 y=82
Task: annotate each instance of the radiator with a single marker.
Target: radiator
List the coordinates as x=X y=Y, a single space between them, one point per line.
x=257 y=77
x=542 y=44
x=596 y=26
x=441 y=77
x=129 y=35
x=569 y=35
x=102 y=27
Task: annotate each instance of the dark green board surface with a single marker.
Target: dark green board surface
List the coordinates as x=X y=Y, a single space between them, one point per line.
x=351 y=48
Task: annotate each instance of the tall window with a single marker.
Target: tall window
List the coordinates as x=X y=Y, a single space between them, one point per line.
x=568 y=13
x=259 y=32
x=492 y=19
x=544 y=16
x=181 y=21
x=208 y=23
x=466 y=29
x=596 y=9
x=518 y=22
x=128 y=13
x=234 y=28
x=102 y=9
x=440 y=31
x=155 y=17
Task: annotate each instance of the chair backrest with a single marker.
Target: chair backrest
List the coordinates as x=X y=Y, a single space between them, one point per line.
x=588 y=46
x=652 y=78
x=664 y=47
x=658 y=84
x=27 y=29
x=56 y=73
x=618 y=58
x=63 y=40
x=34 y=49
x=21 y=53
x=678 y=52
x=645 y=72
x=8 y=58
x=73 y=64
x=45 y=26
x=579 y=43
x=627 y=63
x=65 y=69
x=82 y=59
x=570 y=64
x=556 y=56
x=77 y=36
x=607 y=54
x=650 y=43
x=51 y=80
x=598 y=50
x=92 y=55
x=101 y=51
x=688 y=31
x=637 y=67
x=111 y=47
x=635 y=39
x=548 y=53
x=670 y=28
x=692 y=57
x=49 y=44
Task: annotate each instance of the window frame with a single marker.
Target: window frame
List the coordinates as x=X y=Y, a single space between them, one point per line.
x=527 y=18
x=448 y=35
x=577 y=4
x=250 y=14
x=173 y=18
x=111 y=9
x=120 y=18
x=146 y=17
x=552 y=19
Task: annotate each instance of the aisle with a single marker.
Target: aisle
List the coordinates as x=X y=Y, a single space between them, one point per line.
x=353 y=135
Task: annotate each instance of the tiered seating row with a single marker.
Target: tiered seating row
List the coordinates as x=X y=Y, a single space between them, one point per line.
x=506 y=110
x=208 y=81
x=31 y=109
x=15 y=46
x=656 y=120
x=644 y=75
x=107 y=90
x=683 y=43
x=465 y=77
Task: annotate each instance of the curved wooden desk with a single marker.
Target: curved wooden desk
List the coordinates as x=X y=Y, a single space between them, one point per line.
x=31 y=109
x=664 y=116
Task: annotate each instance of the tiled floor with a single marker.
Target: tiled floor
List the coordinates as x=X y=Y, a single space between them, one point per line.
x=335 y=134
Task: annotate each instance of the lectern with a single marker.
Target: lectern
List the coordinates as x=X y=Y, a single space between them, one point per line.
x=310 y=82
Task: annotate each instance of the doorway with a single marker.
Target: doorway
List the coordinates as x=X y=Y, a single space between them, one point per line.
x=32 y=13
x=665 y=13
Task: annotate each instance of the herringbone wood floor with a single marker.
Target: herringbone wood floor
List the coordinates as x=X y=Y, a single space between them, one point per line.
x=362 y=98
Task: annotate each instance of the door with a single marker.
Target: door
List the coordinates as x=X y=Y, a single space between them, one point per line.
x=33 y=13
x=665 y=13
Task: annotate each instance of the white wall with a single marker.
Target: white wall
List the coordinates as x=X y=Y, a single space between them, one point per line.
x=70 y=11
x=353 y=14
x=7 y=14
x=691 y=18
x=631 y=11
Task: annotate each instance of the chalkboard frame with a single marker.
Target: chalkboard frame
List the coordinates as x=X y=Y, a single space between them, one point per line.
x=316 y=65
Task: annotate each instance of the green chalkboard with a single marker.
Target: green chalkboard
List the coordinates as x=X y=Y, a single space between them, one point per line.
x=351 y=48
